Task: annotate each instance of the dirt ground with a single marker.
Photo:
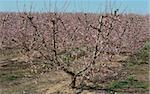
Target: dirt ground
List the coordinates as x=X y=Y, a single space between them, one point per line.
x=16 y=78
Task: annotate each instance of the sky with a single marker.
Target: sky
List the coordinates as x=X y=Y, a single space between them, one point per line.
x=92 y=6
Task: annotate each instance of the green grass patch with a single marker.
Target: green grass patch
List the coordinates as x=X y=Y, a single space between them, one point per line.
x=130 y=82
x=10 y=77
x=141 y=56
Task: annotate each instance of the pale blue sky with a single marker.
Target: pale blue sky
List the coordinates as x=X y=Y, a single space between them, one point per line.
x=130 y=6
